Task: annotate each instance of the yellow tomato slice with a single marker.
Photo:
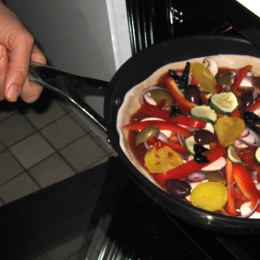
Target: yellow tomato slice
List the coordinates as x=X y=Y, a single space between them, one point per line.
x=162 y=159
x=210 y=196
x=204 y=77
x=228 y=129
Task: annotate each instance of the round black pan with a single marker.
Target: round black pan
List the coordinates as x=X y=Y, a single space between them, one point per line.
x=134 y=71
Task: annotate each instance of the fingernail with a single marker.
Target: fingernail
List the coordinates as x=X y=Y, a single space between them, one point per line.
x=12 y=93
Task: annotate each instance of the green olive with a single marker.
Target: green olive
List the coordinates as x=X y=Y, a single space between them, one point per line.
x=157 y=95
x=146 y=133
x=216 y=177
x=225 y=79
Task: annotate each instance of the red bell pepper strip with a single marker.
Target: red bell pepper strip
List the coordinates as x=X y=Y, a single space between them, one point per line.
x=179 y=99
x=176 y=147
x=156 y=111
x=231 y=189
x=235 y=113
x=204 y=99
x=191 y=166
x=248 y=157
x=218 y=88
x=254 y=106
x=162 y=125
x=246 y=184
x=240 y=74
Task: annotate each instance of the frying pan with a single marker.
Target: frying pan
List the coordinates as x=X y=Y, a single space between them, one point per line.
x=134 y=71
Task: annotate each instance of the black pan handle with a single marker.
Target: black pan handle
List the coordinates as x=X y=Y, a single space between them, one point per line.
x=66 y=85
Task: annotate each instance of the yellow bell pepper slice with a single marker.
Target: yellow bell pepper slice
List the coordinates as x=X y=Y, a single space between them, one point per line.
x=228 y=129
x=159 y=160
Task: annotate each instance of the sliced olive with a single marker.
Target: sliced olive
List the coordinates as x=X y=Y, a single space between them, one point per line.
x=146 y=133
x=215 y=177
x=225 y=79
x=158 y=95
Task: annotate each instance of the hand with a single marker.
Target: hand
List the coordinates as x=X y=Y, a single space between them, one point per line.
x=17 y=51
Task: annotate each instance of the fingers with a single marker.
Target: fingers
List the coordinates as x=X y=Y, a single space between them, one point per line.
x=31 y=91
x=19 y=58
x=3 y=69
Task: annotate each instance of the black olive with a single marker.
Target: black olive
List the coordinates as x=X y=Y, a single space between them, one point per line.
x=247 y=98
x=251 y=118
x=203 y=137
x=182 y=80
x=199 y=149
x=200 y=158
x=185 y=76
x=176 y=77
x=175 y=110
x=192 y=94
x=178 y=188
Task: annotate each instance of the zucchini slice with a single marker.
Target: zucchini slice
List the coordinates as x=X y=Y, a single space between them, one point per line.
x=224 y=103
x=257 y=155
x=232 y=156
x=204 y=113
x=189 y=144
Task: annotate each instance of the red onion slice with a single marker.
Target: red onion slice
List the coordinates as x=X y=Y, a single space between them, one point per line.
x=255 y=93
x=245 y=133
x=256 y=142
x=251 y=212
x=196 y=177
x=180 y=138
x=163 y=137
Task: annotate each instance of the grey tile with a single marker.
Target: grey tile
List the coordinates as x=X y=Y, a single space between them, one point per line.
x=7 y=109
x=51 y=113
x=83 y=153
x=81 y=120
x=14 y=128
x=18 y=187
x=62 y=131
x=51 y=170
x=31 y=150
x=64 y=104
x=67 y=249
x=1 y=147
x=105 y=145
x=9 y=167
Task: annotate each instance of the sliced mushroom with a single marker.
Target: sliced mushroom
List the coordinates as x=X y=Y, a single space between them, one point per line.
x=211 y=65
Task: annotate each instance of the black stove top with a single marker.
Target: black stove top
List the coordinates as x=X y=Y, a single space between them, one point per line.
x=135 y=226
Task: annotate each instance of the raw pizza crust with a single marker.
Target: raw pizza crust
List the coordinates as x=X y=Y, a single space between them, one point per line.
x=131 y=101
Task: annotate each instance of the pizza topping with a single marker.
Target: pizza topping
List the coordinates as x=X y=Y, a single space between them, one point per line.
x=162 y=159
x=224 y=103
x=212 y=123
x=204 y=77
x=225 y=80
x=178 y=188
x=228 y=129
x=146 y=133
x=210 y=196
